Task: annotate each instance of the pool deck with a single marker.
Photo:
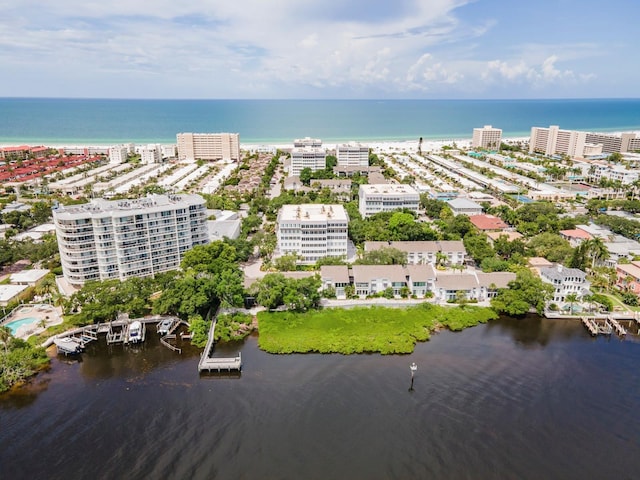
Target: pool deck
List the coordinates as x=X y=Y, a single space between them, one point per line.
x=50 y=314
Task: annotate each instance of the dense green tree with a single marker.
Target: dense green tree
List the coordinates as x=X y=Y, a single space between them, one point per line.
x=478 y=247
x=550 y=246
x=41 y=212
x=383 y=256
x=525 y=292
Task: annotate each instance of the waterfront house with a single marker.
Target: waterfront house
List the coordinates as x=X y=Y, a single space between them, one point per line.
x=489 y=283
x=565 y=281
x=422 y=279
x=448 y=285
x=336 y=277
x=372 y=279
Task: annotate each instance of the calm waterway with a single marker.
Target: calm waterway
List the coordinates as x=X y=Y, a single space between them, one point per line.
x=526 y=399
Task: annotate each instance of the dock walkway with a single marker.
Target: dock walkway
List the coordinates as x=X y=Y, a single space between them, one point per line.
x=217 y=364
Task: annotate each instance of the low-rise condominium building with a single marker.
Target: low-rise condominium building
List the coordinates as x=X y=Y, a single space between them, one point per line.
x=386 y=197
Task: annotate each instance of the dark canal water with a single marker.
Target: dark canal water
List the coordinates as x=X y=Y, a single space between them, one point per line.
x=527 y=399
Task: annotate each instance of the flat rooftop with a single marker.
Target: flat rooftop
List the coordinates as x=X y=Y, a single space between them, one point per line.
x=388 y=188
x=147 y=204
x=312 y=212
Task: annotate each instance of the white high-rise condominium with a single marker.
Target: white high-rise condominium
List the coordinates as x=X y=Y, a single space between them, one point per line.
x=352 y=154
x=312 y=231
x=208 y=146
x=486 y=137
x=307 y=157
x=376 y=198
x=554 y=141
x=104 y=239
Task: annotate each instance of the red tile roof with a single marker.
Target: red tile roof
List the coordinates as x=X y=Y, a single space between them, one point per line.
x=575 y=233
x=488 y=222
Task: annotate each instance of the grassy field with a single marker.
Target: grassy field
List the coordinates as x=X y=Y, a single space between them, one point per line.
x=362 y=330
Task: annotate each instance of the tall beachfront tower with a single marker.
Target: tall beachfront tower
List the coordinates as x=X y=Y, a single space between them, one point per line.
x=208 y=146
x=104 y=240
x=486 y=137
x=352 y=154
x=312 y=231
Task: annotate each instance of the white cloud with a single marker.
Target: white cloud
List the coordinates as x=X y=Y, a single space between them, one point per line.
x=236 y=49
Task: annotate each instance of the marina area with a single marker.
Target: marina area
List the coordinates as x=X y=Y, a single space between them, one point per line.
x=524 y=395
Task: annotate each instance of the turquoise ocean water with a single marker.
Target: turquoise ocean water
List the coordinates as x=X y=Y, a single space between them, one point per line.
x=96 y=121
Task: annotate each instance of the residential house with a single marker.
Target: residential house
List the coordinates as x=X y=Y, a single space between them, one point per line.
x=372 y=279
x=422 y=279
x=565 y=281
x=463 y=206
x=489 y=283
x=575 y=236
x=510 y=236
x=628 y=277
x=452 y=252
x=336 y=277
x=488 y=223
x=448 y=285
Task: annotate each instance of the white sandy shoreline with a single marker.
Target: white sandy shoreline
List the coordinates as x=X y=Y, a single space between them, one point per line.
x=375 y=145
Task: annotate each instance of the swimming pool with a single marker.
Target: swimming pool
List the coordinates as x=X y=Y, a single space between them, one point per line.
x=13 y=326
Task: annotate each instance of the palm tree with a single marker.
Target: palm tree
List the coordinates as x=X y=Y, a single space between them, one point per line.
x=596 y=250
x=571 y=298
x=5 y=336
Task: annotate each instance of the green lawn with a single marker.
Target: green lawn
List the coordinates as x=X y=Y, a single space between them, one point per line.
x=361 y=330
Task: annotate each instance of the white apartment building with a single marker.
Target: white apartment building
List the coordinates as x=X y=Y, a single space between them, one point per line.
x=151 y=154
x=312 y=231
x=168 y=151
x=486 y=137
x=307 y=142
x=553 y=140
x=307 y=157
x=352 y=154
x=104 y=239
x=208 y=146
x=375 y=198
x=118 y=153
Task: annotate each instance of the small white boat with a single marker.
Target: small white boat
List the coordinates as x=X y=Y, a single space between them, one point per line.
x=68 y=345
x=164 y=326
x=135 y=332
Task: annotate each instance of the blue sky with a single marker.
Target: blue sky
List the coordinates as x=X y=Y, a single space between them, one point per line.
x=319 y=49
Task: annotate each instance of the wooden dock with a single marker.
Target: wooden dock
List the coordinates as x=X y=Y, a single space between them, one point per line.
x=619 y=329
x=603 y=326
x=217 y=364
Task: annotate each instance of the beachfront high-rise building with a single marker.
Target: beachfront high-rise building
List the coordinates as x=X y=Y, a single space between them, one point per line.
x=554 y=141
x=118 y=154
x=376 y=198
x=486 y=137
x=104 y=240
x=352 y=154
x=208 y=146
x=307 y=142
x=312 y=231
x=307 y=157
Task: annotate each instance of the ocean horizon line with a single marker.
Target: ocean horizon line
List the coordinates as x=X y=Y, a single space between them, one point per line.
x=390 y=99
